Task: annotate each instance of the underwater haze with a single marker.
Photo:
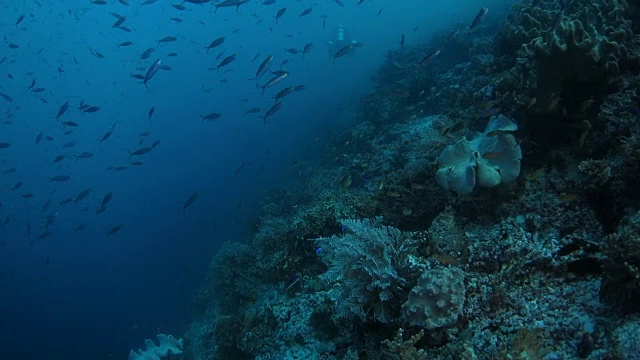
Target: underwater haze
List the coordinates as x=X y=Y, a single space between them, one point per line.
x=116 y=191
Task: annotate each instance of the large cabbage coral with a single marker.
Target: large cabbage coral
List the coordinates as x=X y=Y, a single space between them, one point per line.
x=570 y=52
x=489 y=159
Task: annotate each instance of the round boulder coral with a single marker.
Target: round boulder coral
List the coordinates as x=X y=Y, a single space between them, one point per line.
x=437 y=300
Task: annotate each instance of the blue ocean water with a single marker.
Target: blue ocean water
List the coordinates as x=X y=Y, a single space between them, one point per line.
x=85 y=294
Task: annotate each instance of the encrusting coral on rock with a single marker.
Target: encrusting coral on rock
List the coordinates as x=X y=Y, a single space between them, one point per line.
x=392 y=251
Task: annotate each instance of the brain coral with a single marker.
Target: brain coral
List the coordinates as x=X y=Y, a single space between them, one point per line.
x=437 y=299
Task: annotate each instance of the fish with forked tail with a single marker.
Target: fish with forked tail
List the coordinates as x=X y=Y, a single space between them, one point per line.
x=274 y=80
x=274 y=109
x=114 y=229
x=478 y=17
x=229 y=3
x=151 y=71
x=190 y=201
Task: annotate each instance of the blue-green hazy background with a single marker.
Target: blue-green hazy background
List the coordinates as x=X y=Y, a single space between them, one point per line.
x=92 y=296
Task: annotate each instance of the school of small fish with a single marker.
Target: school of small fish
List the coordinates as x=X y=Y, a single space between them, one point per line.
x=149 y=59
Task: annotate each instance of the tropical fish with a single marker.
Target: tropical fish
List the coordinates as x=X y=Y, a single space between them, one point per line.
x=429 y=56
x=343 y=51
x=96 y=54
x=79 y=228
x=280 y=13
x=119 y=21
x=274 y=109
x=17 y=186
x=84 y=155
x=226 y=61
x=106 y=199
x=114 y=229
x=147 y=53
x=63 y=109
x=6 y=97
x=282 y=93
x=211 y=116
x=141 y=151
x=91 y=109
x=60 y=178
x=274 y=80
x=82 y=195
x=215 y=43
x=167 y=39
x=305 y=12
x=82 y=105
x=106 y=136
x=228 y=3
x=190 y=201
x=452 y=129
x=478 y=17
x=151 y=71
x=151 y=111
x=44 y=234
x=306 y=49
x=264 y=66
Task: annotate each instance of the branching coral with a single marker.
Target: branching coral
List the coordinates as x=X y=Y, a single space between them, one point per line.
x=622 y=266
x=365 y=268
x=400 y=349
